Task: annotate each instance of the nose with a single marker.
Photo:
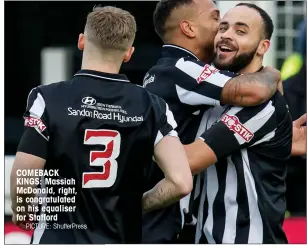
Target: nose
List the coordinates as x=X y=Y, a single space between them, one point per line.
x=227 y=35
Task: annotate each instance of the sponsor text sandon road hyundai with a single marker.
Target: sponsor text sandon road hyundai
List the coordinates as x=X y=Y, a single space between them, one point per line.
x=104 y=116
x=91 y=103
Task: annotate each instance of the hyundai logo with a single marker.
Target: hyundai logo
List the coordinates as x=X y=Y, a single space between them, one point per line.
x=89 y=101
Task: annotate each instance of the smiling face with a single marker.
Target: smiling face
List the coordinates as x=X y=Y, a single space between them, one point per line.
x=206 y=23
x=239 y=39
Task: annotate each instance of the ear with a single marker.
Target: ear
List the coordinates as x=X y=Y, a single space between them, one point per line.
x=81 y=41
x=128 y=54
x=263 y=47
x=187 y=28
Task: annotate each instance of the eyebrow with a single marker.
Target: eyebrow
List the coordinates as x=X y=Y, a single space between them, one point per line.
x=242 y=24
x=237 y=24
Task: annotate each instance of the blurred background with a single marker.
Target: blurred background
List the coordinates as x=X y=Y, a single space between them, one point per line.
x=40 y=48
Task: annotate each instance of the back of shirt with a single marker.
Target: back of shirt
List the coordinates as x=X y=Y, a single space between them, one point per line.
x=99 y=132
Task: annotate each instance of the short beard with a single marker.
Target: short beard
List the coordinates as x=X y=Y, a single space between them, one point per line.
x=238 y=63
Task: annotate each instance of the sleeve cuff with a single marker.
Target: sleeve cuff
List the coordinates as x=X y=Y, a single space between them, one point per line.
x=221 y=140
x=159 y=137
x=33 y=143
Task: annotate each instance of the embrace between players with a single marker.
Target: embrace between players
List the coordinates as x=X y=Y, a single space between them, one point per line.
x=208 y=91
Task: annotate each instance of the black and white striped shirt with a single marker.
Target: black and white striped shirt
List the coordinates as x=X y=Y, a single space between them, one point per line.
x=190 y=87
x=243 y=197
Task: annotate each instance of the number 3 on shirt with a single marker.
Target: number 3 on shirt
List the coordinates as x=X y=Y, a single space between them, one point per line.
x=107 y=159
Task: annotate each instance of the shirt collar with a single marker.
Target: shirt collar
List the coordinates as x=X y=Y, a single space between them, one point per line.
x=102 y=75
x=177 y=51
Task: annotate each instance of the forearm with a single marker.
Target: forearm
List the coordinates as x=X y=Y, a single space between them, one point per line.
x=162 y=195
x=20 y=190
x=13 y=190
x=178 y=182
x=19 y=203
x=22 y=183
x=250 y=89
x=200 y=156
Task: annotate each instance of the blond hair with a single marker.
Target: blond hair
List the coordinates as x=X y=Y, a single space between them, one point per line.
x=110 y=28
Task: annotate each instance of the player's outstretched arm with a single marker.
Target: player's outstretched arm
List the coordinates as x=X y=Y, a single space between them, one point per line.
x=251 y=89
x=237 y=129
x=202 y=84
x=171 y=158
x=23 y=162
x=200 y=156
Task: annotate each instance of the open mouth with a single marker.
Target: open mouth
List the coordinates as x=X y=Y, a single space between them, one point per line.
x=225 y=49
